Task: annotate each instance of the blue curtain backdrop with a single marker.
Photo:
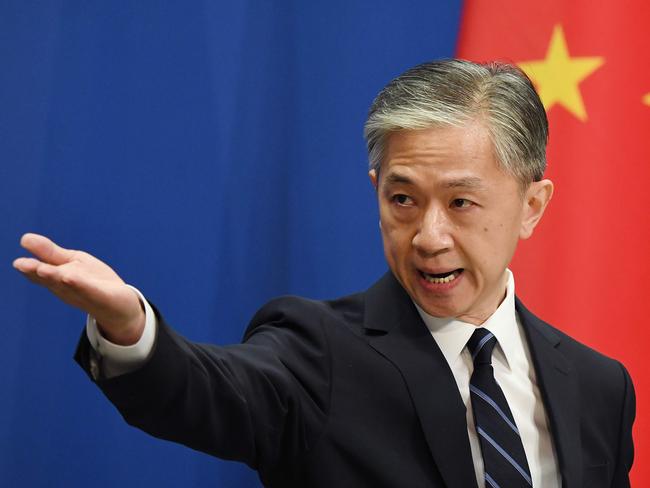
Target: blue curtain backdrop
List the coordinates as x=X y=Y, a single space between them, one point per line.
x=212 y=152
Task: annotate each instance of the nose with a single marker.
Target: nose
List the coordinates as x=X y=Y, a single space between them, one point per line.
x=434 y=235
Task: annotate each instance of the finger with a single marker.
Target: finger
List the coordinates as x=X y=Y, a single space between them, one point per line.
x=34 y=278
x=48 y=272
x=26 y=265
x=59 y=280
x=45 y=249
x=37 y=269
x=62 y=290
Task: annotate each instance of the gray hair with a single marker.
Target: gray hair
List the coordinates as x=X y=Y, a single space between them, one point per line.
x=454 y=92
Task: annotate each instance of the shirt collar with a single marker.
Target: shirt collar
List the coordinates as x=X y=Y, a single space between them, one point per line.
x=452 y=334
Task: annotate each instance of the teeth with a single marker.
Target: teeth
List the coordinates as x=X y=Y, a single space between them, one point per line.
x=446 y=279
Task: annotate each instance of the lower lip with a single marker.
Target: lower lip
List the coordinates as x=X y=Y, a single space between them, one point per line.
x=440 y=288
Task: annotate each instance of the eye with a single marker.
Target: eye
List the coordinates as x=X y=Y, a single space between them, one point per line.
x=461 y=203
x=403 y=200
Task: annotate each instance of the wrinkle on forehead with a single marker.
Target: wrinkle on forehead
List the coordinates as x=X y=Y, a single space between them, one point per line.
x=462 y=182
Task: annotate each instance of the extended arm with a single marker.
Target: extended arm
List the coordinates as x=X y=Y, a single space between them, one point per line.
x=264 y=402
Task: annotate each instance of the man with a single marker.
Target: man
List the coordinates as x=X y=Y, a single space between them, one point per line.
x=435 y=376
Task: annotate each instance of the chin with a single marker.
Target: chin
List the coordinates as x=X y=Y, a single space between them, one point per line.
x=440 y=310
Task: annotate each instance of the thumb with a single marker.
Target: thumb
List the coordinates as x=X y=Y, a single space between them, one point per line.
x=46 y=250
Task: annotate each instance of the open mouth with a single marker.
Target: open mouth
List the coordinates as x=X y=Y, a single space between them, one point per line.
x=442 y=277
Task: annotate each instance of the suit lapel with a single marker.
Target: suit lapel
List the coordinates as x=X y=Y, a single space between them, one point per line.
x=396 y=331
x=558 y=385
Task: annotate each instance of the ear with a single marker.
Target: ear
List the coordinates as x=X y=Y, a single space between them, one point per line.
x=536 y=199
x=373 y=178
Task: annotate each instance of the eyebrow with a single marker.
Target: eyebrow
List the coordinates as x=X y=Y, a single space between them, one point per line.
x=398 y=178
x=470 y=182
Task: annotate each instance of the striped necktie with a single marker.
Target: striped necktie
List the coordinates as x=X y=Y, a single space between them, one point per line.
x=503 y=453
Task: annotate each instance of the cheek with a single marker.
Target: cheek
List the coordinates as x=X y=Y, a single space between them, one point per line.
x=396 y=241
x=390 y=238
x=493 y=245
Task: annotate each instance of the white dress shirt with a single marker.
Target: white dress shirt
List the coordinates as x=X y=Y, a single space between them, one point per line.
x=513 y=370
x=511 y=360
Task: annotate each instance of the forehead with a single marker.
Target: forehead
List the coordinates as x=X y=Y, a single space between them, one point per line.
x=464 y=152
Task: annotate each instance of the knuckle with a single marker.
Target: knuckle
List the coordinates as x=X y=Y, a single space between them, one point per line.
x=69 y=278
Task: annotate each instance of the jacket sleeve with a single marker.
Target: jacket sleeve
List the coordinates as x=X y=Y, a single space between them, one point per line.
x=261 y=402
x=626 y=445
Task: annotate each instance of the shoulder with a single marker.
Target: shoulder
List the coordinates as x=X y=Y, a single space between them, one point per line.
x=304 y=314
x=592 y=366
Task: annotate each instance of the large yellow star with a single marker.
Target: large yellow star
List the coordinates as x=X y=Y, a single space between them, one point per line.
x=558 y=75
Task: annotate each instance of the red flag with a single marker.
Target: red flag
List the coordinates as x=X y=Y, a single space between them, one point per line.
x=587 y=268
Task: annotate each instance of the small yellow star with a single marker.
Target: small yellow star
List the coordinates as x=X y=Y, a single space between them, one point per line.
x=646 y=99
x=557 y=77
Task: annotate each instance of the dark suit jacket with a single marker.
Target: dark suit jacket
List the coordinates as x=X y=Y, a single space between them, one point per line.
x=356 y=393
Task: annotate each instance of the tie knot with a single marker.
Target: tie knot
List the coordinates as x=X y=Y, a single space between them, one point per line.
x=480 y=346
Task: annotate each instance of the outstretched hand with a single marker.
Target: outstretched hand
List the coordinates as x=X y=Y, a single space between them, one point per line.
x=85 y=282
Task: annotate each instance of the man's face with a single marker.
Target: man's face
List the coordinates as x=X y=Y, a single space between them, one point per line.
x=451 y=219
